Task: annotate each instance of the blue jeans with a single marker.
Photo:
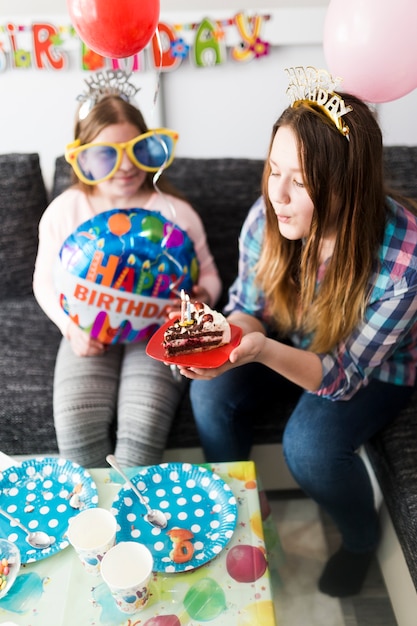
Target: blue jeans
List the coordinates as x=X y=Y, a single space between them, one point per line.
x=320 y=440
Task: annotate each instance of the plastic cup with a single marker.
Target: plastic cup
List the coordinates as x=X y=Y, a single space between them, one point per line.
x=92 y=533
x=127 y=569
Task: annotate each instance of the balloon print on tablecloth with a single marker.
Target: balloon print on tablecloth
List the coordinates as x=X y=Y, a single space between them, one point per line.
x=258 y=613
x=117 y=271
x=245 y=472
x=205 y=600
x=256 y=524
x=163 y=620
x=115 y=29
x=246 y=563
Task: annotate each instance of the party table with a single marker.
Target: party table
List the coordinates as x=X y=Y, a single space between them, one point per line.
x=232 y=589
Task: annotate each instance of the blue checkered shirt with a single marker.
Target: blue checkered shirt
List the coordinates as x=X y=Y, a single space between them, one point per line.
x=384 y=344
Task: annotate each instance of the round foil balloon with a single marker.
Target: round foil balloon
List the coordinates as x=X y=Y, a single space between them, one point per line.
x=114 y=29
x=117 y=271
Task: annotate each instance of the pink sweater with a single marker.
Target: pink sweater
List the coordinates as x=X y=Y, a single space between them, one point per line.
x=72 y=208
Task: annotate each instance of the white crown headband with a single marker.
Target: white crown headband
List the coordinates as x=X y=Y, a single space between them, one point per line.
x=102 y=84
x=316 y=88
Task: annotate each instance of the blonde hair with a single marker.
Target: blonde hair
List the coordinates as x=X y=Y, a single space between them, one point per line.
x=345 y=181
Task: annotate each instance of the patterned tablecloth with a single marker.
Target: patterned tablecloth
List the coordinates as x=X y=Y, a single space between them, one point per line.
x=232 y=589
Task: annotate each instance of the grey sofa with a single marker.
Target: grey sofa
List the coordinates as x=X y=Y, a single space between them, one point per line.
x=222 y=190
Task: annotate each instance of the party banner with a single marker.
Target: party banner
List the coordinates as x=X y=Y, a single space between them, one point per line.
x=46 y=46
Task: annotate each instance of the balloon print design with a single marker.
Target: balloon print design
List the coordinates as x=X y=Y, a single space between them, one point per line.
x=163 y=620
x=246 y=563
x=205 y=600
x=258 y=613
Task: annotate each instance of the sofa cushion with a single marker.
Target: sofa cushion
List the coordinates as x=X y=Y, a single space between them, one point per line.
x=29 y=343
x=401 y=168
x=23 y=199
x=393 y=454
x=222 y=191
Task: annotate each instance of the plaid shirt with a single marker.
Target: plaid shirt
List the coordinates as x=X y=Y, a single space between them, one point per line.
x=384 y=344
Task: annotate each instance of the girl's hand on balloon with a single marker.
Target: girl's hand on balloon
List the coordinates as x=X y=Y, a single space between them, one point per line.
x=82 y=344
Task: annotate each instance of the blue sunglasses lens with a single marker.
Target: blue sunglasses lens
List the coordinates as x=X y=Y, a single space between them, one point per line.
x=153 y=151
x=96 y=162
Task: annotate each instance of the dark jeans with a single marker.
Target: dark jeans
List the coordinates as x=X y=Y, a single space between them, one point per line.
x=320 y=440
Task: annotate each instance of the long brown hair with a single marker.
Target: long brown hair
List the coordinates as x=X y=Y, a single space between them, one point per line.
x=345 y=180
x=114 y=110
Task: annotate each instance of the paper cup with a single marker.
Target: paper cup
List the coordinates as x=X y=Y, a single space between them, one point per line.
x=91 y=533
x=127 y=569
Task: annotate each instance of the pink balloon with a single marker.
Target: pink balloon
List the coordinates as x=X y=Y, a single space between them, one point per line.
x=372 y=46
x=163 y=620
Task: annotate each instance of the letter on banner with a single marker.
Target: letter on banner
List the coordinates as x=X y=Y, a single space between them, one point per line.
x=19 y=56
x=160 y=49
x=209 y=45
x=249 y=29
x=45 y=49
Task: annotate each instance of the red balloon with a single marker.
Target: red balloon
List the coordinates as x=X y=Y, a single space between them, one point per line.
x=115 y=29
x=245 y=563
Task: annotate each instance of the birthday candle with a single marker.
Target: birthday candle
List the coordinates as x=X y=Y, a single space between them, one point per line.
x=187 y=298
x=183 y=305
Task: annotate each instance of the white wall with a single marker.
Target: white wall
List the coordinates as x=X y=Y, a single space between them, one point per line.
x=226 y=110
x=43 y=7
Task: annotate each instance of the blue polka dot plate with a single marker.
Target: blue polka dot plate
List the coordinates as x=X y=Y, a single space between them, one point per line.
x=200 y=507
x=43 y=494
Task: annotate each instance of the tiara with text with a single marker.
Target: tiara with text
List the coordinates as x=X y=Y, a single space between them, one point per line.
x=102 y=84
x=316 y=88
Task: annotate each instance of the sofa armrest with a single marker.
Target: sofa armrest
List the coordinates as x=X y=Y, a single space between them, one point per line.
x=23 y=199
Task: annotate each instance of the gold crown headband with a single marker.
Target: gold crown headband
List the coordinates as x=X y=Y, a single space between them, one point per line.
x=102 y=84
x=316 y=88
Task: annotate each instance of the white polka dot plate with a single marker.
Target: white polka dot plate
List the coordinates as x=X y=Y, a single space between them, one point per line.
x=43 y=494
x=200 y=507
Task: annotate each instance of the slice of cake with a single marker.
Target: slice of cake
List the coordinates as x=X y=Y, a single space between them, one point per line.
x=200 y=329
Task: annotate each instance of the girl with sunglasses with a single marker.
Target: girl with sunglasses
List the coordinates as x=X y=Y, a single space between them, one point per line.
x=114 y=399
x=326 y=296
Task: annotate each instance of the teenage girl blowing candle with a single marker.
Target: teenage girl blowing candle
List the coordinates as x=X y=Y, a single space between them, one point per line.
x=326 y=296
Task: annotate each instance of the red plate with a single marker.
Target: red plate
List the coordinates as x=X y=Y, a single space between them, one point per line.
x=207 y=359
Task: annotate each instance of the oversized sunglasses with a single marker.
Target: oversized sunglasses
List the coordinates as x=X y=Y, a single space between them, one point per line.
x=94 y=163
